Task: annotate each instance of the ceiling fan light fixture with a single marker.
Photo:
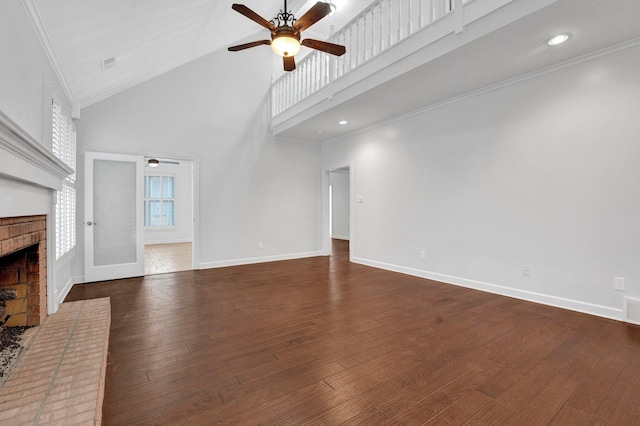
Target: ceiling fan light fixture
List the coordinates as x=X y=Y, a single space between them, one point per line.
x=153 y=162
x=285 y=45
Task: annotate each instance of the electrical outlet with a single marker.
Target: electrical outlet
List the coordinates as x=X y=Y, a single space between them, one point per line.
x=618 y=283
x=423 y=255
x=260 y=245
x=526 y=270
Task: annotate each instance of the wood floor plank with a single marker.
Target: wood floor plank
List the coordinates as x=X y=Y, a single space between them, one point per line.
x=509 y=404
x=424 y=400
x=460 y=411
x=321 y=341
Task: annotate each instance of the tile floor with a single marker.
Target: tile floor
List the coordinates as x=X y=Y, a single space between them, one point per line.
x=162 y=258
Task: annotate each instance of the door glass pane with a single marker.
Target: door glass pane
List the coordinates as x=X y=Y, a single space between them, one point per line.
x=167 y=187
x=114 y=212
x=167 y=213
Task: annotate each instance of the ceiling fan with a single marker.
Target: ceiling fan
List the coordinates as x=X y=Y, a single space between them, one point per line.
x=154 y=162
x=285 y=32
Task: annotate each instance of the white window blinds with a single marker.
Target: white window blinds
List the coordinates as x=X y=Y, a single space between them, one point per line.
x=64 y=147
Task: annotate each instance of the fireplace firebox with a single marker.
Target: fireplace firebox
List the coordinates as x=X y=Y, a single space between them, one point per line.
x=23 y=270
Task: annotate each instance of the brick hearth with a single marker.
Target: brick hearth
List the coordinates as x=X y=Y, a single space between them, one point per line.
x=23 y=268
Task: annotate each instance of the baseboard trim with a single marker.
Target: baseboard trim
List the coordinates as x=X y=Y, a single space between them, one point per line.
x=264 y=259
x=530 y=296
x=64 y=291
x=340 y=237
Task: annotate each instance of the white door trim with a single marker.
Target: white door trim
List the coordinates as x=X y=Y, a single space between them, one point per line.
x=326 y=232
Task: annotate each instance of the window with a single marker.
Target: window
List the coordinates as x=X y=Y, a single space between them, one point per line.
x=159 y=200
x=63 y=135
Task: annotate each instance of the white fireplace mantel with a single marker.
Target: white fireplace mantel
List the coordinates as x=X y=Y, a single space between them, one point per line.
x=25 y=159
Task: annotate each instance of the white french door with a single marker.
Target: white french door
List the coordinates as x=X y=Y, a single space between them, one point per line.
x=114 y=222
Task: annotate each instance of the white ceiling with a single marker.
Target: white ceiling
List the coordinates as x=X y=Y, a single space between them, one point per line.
x=150 y=37
x=508 y=53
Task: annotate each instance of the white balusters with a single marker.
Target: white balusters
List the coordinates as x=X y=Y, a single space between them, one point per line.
x=376 y=29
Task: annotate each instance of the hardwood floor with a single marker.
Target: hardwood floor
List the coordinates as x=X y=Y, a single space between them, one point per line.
x=320 y=341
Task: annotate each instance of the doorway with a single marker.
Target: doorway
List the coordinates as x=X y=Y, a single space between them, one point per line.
x=339 y=212
x=168 y=215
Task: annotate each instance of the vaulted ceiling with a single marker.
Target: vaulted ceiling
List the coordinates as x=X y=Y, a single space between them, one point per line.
x=146 y=38
x=140 y=39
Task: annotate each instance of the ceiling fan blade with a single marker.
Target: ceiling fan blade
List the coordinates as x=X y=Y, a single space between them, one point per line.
x=248 y=45
x=289 y=63
x=334 y=49
x=241 y=8
x=313 y=15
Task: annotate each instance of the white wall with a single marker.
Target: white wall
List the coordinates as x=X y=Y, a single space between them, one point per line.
x=340 y=203
x=543 y=173
x=251 y=188
x=24 y=72
x=183 y=206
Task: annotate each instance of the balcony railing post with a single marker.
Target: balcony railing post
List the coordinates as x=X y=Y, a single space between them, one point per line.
x=390 y=24
x=458 y=11
x=381 y=17
x=357 y=43
x=409 y=17
x=399 y=20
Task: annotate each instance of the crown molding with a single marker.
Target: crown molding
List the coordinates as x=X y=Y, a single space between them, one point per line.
x=34 y=16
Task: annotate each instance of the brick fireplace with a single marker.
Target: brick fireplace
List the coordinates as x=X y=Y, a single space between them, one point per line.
x=30 y=175
x=23 y=269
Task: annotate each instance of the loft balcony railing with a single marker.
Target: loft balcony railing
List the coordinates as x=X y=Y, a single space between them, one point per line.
x=379 y=27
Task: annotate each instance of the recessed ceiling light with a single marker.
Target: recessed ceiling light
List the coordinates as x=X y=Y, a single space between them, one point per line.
x=559 y=39
x=343 y=122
